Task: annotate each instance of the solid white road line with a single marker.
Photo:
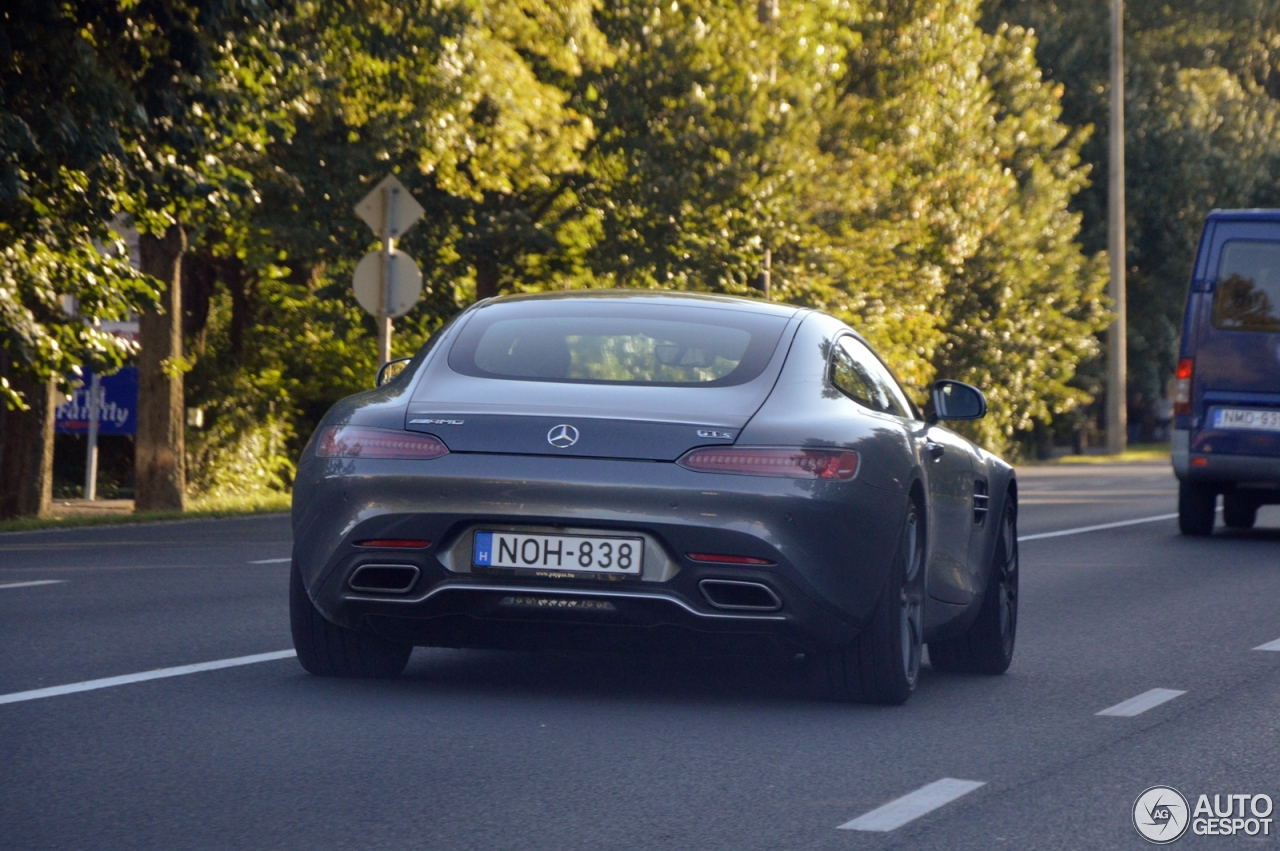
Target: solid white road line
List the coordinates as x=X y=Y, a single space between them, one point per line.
x=271 y=561
x=909 y=807
x=158 y=674
x=1100 y=526
x=33 y=582
x=1140 y=704
x=1270 y=645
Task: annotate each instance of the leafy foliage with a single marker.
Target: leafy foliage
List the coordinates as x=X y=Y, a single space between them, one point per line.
x=900 y=167
x=62 y=179
x=1202 y=122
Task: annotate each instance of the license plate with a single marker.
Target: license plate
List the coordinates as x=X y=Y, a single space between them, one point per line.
x=571 y=553
x=1246 y=419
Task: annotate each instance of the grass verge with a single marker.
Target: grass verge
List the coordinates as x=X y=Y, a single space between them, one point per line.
x=1136 y=452
x=203 y=508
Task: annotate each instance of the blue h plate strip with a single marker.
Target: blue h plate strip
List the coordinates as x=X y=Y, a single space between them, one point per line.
x=483 y=549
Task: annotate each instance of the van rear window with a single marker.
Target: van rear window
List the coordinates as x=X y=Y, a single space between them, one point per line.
x=1248 y=292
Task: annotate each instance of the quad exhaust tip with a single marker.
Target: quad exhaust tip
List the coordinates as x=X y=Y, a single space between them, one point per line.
x=736 y=595
x=384 y=578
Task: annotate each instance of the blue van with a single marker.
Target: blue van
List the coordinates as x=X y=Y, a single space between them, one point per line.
x=1226 y=437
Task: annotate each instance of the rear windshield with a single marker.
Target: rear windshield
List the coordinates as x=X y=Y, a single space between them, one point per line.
x=616 y=342
x=1248 y=292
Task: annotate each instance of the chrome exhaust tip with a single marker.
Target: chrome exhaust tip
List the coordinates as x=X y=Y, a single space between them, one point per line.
x=383 y=578
x=737 y=595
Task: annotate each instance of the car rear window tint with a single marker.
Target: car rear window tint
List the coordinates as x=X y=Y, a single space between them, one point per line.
x=616 y=343
x=1247 y=297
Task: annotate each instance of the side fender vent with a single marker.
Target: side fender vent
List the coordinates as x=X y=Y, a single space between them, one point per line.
x=981 y=501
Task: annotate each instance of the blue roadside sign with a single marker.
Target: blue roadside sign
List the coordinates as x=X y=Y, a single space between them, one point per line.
x=118 y=413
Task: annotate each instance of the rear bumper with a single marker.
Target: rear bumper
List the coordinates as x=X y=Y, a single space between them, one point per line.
x=1214 y=467
x=830 y=544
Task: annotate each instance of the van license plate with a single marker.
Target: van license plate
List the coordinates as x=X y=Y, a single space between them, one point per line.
x=576 y=553
x=1246 y=419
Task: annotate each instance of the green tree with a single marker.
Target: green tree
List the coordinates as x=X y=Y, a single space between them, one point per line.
x=1202 y=111
x=207 y=83
x=63 y=174
x=467 y=102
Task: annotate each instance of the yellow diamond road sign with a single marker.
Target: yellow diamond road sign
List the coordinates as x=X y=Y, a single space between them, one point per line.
x=389 y=209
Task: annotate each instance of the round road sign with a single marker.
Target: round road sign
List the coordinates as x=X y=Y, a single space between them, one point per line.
x=404 y=278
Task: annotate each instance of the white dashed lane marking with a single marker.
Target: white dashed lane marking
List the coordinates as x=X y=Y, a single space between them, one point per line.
x=909 y=807
x=158 y=674
x=271 y=561
x=32 y=583
x=1097 y=528
x=1140 y=704
x=1270 y=645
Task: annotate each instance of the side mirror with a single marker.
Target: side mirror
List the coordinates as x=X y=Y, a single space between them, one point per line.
x=955 y=400
x=390 y=370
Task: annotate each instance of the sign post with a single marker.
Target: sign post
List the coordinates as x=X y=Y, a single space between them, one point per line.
x=91 y=457
x=388 y=283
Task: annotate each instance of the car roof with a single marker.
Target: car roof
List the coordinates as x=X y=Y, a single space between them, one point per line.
x=1252 y=215
x=668 y=297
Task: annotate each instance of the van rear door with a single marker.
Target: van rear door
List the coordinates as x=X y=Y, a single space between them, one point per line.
x=1236 y=346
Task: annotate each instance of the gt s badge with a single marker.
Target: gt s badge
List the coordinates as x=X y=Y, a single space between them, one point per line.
x=709 y=432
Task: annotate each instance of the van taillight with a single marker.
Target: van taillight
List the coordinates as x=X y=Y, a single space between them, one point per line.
x=1182 y=387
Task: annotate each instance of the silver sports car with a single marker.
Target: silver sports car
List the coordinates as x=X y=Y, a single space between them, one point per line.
x=625 y=471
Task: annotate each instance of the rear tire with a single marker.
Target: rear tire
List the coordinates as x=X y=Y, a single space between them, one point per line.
x=987 y=648
x=1239 y=511
x=882 y=664
x=328 y=650
x=1197 y=507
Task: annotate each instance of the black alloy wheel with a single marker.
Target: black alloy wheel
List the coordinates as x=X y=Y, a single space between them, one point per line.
x=987 y=648
x=882 y=665
x=328 y=650
x=1239 y=511
x=1197 y=507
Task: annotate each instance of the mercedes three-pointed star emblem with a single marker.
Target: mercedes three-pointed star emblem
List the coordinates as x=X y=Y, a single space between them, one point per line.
x=562 y=436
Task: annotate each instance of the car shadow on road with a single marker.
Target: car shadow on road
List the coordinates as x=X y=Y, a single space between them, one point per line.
x=1269 y=534
x=676 y=678
x=600 y=675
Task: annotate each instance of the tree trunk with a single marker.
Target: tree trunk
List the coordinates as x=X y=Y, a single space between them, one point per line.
x=486 y=277
x=243 y=301
x=26 y=451
x=160 y=469
x=199 y=276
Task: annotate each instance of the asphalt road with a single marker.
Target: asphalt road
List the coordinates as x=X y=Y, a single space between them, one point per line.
x=477 y=750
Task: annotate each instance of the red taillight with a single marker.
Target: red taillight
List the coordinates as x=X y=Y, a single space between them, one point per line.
x=395 y=543
x=365 y=442
x=789 y=463
x=716 y=558
x=1182 y=387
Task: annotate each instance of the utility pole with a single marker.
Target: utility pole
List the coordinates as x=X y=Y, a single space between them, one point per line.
x=767 y=13
x=1117 y=342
